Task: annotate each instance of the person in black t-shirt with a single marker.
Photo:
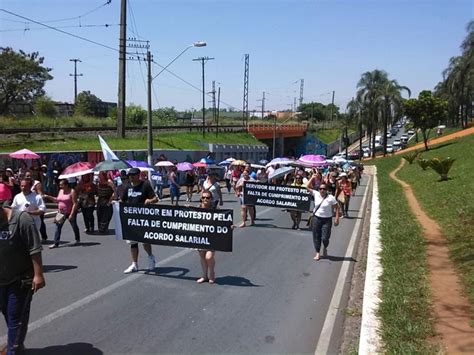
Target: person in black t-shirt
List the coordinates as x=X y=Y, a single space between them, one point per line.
x=139 y=191
x=21 y=272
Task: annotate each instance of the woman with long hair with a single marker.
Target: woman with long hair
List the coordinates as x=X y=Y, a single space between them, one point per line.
x=105 y=193
x=86 y=191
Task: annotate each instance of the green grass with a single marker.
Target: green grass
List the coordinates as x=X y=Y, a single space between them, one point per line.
x=406 y=317
x=328 y=135
x=166 y=140
x=450 y=203
x=48 y=122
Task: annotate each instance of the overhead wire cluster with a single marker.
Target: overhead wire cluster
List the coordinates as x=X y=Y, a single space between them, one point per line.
x=27 y=21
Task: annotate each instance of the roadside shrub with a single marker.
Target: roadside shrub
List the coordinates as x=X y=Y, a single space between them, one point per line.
x=135 y=115
x=44 y=106
x=442 y=166
x=423 y=163
x=410 y=157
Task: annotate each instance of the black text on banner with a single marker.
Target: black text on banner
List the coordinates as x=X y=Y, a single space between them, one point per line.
x=290 y=197
x=187 y=227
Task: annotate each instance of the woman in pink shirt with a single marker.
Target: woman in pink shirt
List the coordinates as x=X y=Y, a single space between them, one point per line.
x=5 y=188
x=67 y=205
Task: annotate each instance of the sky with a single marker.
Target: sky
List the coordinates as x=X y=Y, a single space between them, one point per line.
x=327 y=43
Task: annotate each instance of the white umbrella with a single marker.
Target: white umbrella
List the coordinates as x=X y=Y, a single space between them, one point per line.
x=164 y=163
x=280 y=172
x=280 y=161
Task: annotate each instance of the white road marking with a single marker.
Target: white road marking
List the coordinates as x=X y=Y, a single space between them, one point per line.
x=102 y=292
x=94 y=296
x=325 y=337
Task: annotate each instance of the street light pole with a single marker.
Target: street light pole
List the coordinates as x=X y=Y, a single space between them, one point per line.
x=149 y=60
x=274 y=135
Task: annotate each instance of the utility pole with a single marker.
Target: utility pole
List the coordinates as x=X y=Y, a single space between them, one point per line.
x=75 y=75
x=294 y=107
x=149 y=113
x=245 y=108
x=263 y=105
x=213 y=92
x=301 y=91
x=122 y=61
x=203 y=61
x=332 y=106
x=218 y=109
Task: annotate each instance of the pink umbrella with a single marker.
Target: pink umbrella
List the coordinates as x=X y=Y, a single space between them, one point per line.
x=77 y=169
x=199 y=164
x=312 y=160
x=185 y=166
x=24 y=154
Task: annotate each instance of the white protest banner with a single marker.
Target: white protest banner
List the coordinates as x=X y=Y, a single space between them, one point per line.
x=187 y=227
x=290 y=197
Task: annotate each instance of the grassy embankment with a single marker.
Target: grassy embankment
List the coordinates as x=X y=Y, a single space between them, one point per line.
x=450 y=203
x=181 y=140
x=405 y=308
x=407 y=323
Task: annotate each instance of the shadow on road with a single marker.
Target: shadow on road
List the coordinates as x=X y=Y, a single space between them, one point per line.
x=235 y=281
x=338 y=258
x=84 y=244
x=58 y=268
x=70 y=349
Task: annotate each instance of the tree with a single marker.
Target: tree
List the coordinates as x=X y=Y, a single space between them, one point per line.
x=44 y=106
x=457 y=86
x=86 y=104
x=425 y=112
x=135 y=115
x=22 y=77
x=369 y=88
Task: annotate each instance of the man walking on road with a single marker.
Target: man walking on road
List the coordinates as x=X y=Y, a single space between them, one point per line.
x=139 y=191
x=21 y=273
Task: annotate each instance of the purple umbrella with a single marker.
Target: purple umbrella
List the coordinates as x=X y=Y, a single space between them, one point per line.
x=312 y=160
x=143 y=166
x=185 y=166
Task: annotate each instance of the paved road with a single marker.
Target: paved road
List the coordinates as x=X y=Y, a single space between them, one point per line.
x=270 y=295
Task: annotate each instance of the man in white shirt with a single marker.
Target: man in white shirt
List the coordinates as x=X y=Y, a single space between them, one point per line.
x=325 y=206
x=29 y=201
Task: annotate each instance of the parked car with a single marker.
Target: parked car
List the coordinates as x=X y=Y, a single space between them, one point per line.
x=356 y=154
x=411 y=131
x=404 y=139
x=389 y=148
x=394 y=131
x=389 y=134
x=396 y=143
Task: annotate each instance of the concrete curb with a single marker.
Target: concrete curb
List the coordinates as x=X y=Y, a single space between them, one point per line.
x=369 y=342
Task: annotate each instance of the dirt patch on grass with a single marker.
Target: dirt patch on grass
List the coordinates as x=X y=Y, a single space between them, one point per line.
x=450 y=306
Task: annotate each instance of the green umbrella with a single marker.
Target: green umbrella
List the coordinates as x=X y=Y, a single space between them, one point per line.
x=111 y=165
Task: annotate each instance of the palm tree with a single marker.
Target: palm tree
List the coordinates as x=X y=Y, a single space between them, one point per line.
x=391 y=102
x=355 y=110
x=458 y=81
x=369 y=88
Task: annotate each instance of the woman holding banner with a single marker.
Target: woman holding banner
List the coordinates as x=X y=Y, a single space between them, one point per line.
x=207 y=256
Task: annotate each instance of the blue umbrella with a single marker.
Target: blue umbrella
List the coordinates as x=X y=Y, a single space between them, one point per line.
x=143 y=166
x=207 y=161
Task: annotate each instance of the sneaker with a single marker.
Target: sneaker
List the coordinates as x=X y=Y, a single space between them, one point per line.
x=131 y=268
x=151 y=262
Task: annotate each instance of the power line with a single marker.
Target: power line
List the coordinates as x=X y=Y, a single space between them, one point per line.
x=80 y=16
x=40 y=28
x=61 y=31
